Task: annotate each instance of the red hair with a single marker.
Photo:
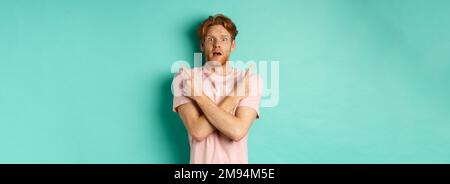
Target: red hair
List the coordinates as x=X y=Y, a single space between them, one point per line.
x=218 y=19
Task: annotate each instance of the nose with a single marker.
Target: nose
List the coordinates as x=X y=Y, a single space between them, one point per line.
x=216 y=44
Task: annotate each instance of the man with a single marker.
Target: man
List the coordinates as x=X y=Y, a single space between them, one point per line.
x=218 y=103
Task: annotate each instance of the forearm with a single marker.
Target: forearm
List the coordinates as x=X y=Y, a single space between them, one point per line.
x=221 y=118
x=228 y=104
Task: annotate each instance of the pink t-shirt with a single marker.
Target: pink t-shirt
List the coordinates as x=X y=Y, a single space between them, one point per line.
x=216 y=148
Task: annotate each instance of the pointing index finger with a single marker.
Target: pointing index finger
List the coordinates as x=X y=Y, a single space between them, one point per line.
x=185 y=71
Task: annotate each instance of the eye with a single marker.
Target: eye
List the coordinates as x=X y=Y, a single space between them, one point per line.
x=209 y=39
x=224 y=39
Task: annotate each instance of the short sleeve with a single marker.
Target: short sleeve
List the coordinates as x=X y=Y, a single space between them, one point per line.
x=254 y=98
x=177 y=86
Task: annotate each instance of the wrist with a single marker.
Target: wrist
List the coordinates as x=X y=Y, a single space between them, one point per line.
x=199 y=98
x=235 y=98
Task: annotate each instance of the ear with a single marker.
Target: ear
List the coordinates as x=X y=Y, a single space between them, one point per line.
x=233 y=45
x=201 y=46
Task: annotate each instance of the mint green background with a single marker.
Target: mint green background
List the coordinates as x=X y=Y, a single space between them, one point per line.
x=89 y=81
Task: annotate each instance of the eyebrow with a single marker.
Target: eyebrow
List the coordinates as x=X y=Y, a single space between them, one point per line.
x=223 y=35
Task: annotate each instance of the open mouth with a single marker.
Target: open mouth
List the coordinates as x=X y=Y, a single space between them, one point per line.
x=217 y=53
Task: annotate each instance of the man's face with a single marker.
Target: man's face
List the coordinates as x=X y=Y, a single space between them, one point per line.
x=218 y=44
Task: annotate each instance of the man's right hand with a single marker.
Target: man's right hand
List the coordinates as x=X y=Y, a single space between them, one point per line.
x=193 y=86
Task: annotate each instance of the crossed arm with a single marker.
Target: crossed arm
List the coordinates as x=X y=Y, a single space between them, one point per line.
x=202 y=116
